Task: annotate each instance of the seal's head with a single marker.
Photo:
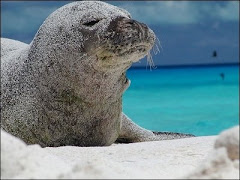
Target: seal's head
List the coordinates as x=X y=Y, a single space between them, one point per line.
x=96 y=29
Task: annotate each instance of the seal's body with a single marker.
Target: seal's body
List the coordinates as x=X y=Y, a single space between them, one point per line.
x=66 y=87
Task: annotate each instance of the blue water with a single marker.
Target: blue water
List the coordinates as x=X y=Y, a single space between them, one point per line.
x=190 y=100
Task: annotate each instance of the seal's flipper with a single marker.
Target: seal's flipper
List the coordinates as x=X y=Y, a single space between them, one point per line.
x=131 y=132
x=172 y=135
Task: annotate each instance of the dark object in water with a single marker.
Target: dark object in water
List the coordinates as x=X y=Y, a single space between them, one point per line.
x=222 y=75
x=214 y=54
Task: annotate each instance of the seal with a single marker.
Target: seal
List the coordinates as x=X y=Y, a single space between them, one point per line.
x=66 y=86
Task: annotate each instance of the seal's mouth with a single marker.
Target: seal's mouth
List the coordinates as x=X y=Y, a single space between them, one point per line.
x=138 y=49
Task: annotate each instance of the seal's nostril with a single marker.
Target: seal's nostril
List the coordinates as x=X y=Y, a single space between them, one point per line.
x=130 y=22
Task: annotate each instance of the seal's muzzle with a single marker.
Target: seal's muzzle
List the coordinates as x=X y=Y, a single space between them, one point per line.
x=127 y=31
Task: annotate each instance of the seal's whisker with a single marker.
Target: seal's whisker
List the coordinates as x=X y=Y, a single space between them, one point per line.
x=155 y=50
x=156 y=46
x=159 y=44
x=150 y=61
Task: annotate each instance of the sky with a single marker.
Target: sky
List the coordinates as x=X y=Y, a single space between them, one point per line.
x=189 y=31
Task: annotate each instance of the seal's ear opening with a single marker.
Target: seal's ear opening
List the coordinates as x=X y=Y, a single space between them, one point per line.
x=91 y=23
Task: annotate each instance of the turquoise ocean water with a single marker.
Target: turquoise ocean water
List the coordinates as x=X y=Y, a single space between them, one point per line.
x=190 y=99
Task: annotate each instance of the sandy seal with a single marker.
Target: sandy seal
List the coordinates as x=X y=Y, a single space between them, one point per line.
x=66 y=87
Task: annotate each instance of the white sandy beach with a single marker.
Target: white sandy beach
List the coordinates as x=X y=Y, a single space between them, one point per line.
x=170 y=159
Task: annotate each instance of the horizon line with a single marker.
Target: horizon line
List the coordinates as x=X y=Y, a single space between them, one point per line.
x=185 y=66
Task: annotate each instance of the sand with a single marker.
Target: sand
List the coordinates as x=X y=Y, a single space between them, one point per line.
x=215 y=157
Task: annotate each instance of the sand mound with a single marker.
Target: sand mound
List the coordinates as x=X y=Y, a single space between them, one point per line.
x=203 y=157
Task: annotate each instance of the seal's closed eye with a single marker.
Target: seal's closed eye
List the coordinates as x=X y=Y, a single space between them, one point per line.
x=91 y=23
